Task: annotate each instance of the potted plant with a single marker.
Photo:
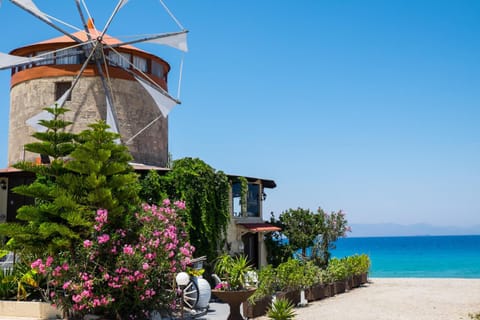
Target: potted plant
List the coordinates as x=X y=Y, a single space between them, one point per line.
x=20 y=296
x=290 y=280
x=258 y=303
x=281 y=309
x=338 y=271
x=313 y=282
x=364 y=267
x=233 y=290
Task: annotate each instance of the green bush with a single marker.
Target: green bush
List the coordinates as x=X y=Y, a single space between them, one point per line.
x=338 y=269
x=267 y=283
x=288 y=275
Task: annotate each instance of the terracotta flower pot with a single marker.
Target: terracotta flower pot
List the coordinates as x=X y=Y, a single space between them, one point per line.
x=234 y=300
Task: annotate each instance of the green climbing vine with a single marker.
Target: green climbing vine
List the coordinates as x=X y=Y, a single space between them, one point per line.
x=243 y=194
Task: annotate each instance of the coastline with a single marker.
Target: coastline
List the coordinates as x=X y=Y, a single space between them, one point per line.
x=400 y=299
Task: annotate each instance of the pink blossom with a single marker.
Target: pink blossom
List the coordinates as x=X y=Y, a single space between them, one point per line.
x=128 y=250
x=87 y=243
x=35 y=264
x=145 y=266
x=103 y=238
x=66 y=285
x=49 y=261
x=180 y=204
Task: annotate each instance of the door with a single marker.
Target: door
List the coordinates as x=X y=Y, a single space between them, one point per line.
x=250 y=242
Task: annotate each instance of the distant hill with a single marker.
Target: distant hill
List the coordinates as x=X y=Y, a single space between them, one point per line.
x=392 y=229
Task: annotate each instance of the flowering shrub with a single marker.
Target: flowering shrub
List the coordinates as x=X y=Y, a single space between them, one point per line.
x=122 y=273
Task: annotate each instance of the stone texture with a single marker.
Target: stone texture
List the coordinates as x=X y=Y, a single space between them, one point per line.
x=134 y=107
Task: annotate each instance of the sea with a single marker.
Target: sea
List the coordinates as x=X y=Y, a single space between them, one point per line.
x=416 y=256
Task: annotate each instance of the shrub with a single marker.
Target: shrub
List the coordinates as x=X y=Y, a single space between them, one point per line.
x=121 y=272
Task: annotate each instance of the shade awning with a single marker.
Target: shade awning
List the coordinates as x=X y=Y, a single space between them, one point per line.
x=260 y=227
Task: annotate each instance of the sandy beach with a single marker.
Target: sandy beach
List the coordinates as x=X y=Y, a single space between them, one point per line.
x=399 y=299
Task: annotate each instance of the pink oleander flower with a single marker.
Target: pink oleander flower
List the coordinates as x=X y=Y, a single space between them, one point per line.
x=87 y=243
x=103 y=238
x=49 y=261
x=180 y=204
x=128 y=250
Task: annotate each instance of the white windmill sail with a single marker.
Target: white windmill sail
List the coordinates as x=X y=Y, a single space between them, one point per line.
x=177 y=41
x=34 y=121
x=110 y=119
x=164 y=102
x=45 y=115
x=31 y=7
x=8 y=60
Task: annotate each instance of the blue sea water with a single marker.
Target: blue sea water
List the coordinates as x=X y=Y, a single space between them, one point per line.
x=419 y=257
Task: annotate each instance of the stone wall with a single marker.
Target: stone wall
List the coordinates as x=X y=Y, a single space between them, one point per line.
x=135 y=109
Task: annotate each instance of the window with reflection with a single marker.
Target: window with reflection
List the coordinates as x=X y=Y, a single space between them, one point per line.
x=236 y=199
x=252 y=201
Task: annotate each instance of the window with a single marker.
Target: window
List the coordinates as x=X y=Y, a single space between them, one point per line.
x=253 y=200
x=157 y=69
x=69 y=56
x=47 y=55
x=61 y=88
x=120 y=60
x=236 y=199
x=140 y=63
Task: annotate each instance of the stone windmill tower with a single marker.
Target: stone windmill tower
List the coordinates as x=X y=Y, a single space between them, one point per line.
x=96 y=76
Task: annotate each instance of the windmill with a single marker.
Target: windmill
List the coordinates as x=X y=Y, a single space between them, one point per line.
x=96 y=76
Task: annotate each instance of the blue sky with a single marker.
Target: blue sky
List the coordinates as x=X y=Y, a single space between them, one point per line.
x=367 y=106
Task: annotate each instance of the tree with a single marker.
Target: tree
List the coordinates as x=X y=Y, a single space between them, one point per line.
x=44 y=224
x=305 y=229
x=88 y=171
x=334 y=226
x=301 y=227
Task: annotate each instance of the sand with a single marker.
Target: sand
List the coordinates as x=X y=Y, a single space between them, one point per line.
x=399 y=299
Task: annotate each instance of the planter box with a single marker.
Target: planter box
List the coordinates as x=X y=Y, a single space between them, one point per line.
x=258 y=309
x=292 y=295
x=316 y=292
x=28 y=310
x=357 y=280
x=340 y=286
x=329 y=290
x=349 y=283
x=364 y=277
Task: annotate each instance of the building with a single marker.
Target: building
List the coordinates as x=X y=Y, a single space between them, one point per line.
x=38 y=84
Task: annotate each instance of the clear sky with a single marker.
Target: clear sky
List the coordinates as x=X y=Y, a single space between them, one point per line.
x=367 y=106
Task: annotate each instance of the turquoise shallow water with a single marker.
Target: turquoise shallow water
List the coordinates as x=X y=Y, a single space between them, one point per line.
x=423 y=257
